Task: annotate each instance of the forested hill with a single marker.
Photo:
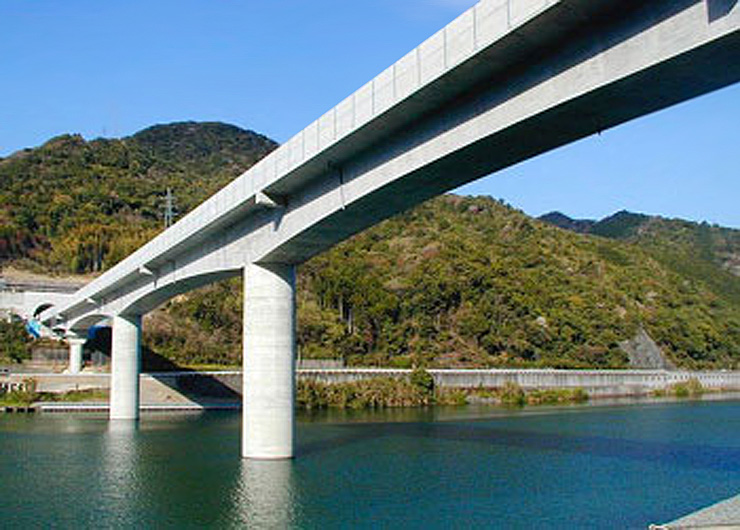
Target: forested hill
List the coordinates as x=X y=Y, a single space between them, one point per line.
x=457 y=281
x=77 y=206
x=696 y=250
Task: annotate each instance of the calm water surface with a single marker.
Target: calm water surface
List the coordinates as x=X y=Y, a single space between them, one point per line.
x=595 y=467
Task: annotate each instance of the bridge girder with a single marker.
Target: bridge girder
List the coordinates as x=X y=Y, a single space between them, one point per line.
x=572 y=69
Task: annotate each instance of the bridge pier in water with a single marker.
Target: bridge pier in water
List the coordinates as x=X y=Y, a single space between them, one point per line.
x=268 y=412
x=125 y=367
x=75 y=353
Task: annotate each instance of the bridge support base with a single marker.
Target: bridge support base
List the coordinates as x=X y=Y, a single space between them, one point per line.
x=125 y=368
x=75 y=354
x=268 y=415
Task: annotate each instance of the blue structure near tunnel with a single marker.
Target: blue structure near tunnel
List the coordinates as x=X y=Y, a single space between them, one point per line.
x=33 y=327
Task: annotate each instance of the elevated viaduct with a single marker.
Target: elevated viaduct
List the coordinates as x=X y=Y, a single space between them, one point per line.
x=505 y=81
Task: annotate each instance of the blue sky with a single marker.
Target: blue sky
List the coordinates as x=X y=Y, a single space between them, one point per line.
x=110 y=68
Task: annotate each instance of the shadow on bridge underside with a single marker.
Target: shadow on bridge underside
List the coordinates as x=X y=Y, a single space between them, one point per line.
x=719 y=8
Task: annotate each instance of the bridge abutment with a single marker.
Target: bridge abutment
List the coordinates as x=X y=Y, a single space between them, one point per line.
x=125 y=367
x=268 y=414
x=75 y=353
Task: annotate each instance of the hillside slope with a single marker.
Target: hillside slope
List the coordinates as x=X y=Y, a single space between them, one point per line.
x=454 y=282
x=470 y=282
x=708 y=254
x=74 y=206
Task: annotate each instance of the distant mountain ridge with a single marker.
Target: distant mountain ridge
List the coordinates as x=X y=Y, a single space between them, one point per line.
x=668 y=239
x=620 y=225
x=581 y=226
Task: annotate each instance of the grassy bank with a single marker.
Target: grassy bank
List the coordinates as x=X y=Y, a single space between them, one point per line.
x=511 y=394
x=381 y=392
x=418 y=390
x=28 y=396
x=685 y=389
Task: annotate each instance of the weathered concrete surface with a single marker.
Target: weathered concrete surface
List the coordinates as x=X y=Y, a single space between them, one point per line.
x=724 y=515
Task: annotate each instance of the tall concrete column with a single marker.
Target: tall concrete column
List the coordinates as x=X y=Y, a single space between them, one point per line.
x=75 y=353
x=125 y=367
x=268 y=415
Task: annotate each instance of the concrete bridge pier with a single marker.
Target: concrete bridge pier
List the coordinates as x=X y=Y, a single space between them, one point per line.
x=75 y=353
x=268 y=415
x=125 y=367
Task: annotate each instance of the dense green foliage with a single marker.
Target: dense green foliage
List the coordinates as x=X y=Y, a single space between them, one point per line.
x=466 y=282
x=512 y=394
x=22 y=397
x=204 y=327
x=14 y=342
x=690 y=388
x=77 y=206
x=472 y=282
x=706 y=253
x=375 y=393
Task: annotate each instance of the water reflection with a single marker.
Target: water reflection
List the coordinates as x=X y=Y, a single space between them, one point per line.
x=265 y=495
x=119 y=481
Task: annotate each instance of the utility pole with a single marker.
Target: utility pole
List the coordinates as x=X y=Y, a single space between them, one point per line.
x=169 y=209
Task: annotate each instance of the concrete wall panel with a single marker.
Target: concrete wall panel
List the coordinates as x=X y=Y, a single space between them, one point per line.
x=460 y=38
x=295 y=151
x=364 y=104
x=385 y=90
x=345 y=117
x=432 y=57
x=326 y=129
x=407 y=75
x=311 y=139
x=523 y=10
x=492 y=18
x=281 y=161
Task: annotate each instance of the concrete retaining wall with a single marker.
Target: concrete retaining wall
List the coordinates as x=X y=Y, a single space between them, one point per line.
x=228 y=384
x=595 y=382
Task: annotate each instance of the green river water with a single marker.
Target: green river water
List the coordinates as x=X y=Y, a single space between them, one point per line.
x=469 y=467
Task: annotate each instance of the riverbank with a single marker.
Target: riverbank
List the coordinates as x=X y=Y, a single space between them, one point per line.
x=370 y=388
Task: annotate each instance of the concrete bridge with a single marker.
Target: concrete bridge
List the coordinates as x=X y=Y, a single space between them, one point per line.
x=507 y=80
x=28 y=299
